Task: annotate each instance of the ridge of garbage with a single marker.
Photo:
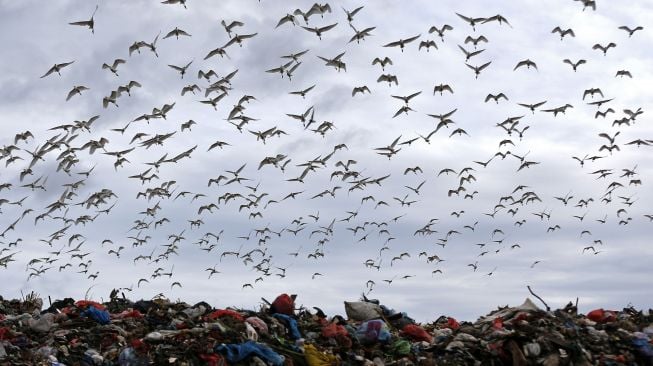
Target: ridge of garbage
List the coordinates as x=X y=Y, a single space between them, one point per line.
x=164 y=332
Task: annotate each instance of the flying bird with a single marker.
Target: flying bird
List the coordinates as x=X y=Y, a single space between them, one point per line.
x=528 y=63
x=229 y=27
x=57 y=68
x=428 y=44
x=631 y=31
x=495 y=97
x=389 y=78
x=442 y=88
x=478 y=69
x=176 y=33
x=172 y=2
x=574 y=65
x=288 y=18
x=360 y=89
x=318 y=31
x=88 y=23
x=303 y=92
x=471 y=21
x=78 y=89
x=623 y=73
x=563 y=33
x=475 y=41
x=469 y=54
x=497 y=18
x=238 y=38
x=383 y=62
x=440 y=31
x=407 y=98
x=605 y=48
x=351 y=14
x=114 y=66
x=532 y=106
x=402 y=42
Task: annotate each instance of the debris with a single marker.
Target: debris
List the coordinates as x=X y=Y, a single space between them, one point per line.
x=159 y=331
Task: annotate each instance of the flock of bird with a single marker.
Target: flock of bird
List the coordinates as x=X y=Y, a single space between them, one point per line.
x=81 y=206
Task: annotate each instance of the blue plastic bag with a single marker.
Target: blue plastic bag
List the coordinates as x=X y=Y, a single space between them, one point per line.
x=643 y=346
x=238 y=352
x=100 y=316
x=291 y=324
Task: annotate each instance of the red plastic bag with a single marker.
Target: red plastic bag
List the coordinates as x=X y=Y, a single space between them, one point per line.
x=213 y=359
x=220 y=313
x=497 y=323
x=452 y=324
x=334 y=330
x=283 y=304
x=416 y=333
x=128 y=314
x=602 y=315
x=82 y=304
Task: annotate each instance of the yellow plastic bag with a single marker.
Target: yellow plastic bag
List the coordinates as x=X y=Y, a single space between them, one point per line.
x=316 y=358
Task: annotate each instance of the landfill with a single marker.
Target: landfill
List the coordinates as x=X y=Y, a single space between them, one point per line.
x=162 y=332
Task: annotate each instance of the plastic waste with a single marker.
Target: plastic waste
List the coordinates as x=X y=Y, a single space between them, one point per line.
x=283 y=304
x=314 y=357
x=362 y=311
x=373 y=331
x=238 y=352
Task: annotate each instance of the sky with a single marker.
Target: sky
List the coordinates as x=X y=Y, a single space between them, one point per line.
x=579 y=235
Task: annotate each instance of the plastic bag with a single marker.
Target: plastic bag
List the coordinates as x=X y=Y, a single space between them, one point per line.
x=373 y=331
x=602 y=315
x=291 y=324
x=237 y=352
x=283 y=304
x=416 y=333
x=101 y=316
x=362 y=311
x=316 y=358
x=401 y=347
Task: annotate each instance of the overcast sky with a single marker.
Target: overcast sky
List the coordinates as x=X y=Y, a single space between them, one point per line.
x=595 y=247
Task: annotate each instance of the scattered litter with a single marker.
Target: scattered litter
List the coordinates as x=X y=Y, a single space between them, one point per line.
x=161 y=332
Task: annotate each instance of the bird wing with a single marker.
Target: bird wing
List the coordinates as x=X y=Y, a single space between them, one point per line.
x=328 y=27
x=52 y=69
x=520 y=63
x=287 y=18
x=412 y=38
x=467 y=19
x=231 y=41
x=413 y=95
x=310 y=29
x=393 y=44
x=71 y=94
x=245 y=36
x=353 y=12
x=86 y=23
x=484 y=65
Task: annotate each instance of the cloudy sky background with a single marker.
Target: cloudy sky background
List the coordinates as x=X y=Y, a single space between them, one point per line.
x=36 y=35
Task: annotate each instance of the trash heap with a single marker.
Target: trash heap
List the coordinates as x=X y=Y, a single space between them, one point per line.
x=161 y=332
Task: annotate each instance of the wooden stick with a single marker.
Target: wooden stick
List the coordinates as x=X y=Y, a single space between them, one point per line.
x=539 y=298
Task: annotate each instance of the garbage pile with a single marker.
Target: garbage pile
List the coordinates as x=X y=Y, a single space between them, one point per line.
x=161 y=332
